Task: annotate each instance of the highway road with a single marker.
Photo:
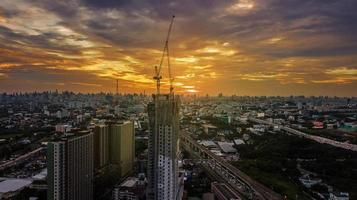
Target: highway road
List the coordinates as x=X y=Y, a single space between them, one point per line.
x=260 y=191
x=19 y=159
x=322 y=140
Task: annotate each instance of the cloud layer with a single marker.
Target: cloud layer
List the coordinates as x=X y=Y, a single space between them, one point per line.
x=245 y=47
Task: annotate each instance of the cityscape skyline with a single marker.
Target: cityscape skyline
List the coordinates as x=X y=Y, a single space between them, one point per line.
x=198 y=95
x=131 y=146
x=246 y=47
x=178 y=100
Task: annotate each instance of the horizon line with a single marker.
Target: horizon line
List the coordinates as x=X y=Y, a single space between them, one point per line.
x=185 y=94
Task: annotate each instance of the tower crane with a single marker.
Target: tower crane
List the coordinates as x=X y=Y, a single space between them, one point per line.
x=165 y=53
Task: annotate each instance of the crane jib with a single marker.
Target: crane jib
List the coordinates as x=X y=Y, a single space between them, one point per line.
x=165 y=53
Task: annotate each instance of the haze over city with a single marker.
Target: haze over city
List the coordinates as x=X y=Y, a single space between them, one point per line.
x=245 y=47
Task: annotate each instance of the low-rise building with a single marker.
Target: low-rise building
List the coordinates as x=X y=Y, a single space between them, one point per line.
x=227 y=147
x=128 y=190
x=11 y=187
x=209 y=129
x=339 y=196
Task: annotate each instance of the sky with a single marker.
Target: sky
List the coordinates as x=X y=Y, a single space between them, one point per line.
x=242 y=47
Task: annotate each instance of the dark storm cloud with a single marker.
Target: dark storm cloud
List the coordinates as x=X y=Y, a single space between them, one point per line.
x=66 y=9
x=202 y=18
x=316 y=52
x=42 y=40
x=107 y=3
x=341 y=12
x=298 y=20
x=160 y=7
x=8 y=13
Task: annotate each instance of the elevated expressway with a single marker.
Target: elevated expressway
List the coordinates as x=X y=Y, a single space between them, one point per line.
x=20 y=159
x=322 y=140
x=235 y=178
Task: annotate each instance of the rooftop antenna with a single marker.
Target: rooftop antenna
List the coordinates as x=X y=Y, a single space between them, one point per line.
x=165 y=53
x=117 y=91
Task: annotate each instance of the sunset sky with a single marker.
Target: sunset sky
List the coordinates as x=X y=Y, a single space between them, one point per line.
x=243 y=47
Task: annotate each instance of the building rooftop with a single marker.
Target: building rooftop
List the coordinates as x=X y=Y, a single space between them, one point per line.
x=209 y=126
x=208 y=143
x=227 y=147
x=41 y=176
x=129 y=182
x=12 y=185
x=239 y=141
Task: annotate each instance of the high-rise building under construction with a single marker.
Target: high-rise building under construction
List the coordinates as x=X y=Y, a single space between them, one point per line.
x=163 y=147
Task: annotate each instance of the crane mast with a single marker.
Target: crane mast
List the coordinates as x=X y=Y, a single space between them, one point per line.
x=165 y=53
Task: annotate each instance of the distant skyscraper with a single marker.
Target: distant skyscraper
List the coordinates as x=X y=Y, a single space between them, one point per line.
x=70 y=168
x=163 y=143
x=101 y=146
x=122 y=146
